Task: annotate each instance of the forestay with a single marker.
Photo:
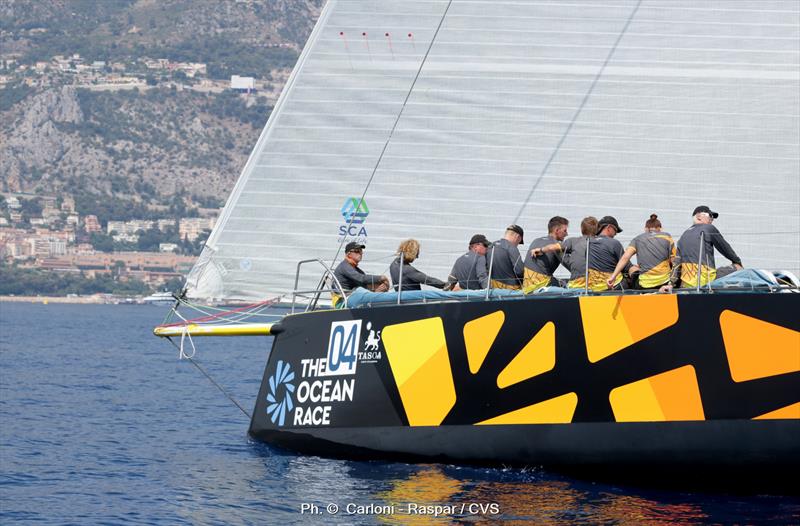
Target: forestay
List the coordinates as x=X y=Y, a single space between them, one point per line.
x=520 y=111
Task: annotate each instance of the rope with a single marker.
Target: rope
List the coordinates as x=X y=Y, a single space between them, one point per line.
x=210 y=379
x=394 y=127
x=237 y=314
x=578 y=112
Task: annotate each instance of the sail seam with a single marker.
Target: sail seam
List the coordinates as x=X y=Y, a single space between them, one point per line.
x=578 y=112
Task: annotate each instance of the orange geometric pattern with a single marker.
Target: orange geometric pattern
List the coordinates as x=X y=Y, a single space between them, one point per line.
x=784 y=413
x=758 y=349
x=479 y=334
x=537 y=357
x=417 y=353
x=673 y=395
x=612 y=323
x=419 y=361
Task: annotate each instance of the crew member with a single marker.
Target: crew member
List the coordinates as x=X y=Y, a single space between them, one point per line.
x=470 y=271
x=539 y=270
x=604 y=254
x=688 y=263
x=413 y=279
x=504 y=260
x=350 y=276
x=573 y=251
x=655 y=251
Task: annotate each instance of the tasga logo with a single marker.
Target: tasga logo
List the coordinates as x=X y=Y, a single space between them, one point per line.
x=355 y=210
x=280 y=393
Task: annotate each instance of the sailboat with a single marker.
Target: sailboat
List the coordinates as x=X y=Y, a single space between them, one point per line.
x=438 y=119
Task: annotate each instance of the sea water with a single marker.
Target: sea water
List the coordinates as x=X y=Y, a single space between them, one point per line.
x=100 y=422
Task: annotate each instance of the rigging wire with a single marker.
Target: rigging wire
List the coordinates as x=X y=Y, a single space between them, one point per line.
x=577 y=112
x=394 y=127
x=211 y=379
x=182 y=355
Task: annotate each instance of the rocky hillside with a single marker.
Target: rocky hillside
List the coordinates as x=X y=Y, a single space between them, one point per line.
x=143 y=144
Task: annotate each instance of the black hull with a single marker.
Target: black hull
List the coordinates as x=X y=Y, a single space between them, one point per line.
x=713 y=414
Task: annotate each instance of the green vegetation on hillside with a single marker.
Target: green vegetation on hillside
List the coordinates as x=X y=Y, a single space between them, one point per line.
x=32 y=282
x=225 y=57
x=111 y=208
x=237 y=38
x=12 y=93
x=229 y=104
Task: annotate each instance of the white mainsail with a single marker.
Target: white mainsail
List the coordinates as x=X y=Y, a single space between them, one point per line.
x=520 y=110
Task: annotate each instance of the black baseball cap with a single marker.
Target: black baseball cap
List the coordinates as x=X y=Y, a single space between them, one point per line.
x=351 y=246
x=608 y=220
x=479 y=238
x=518 y=230
x=703 y=208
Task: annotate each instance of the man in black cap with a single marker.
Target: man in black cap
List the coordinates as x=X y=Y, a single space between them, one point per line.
x=604 y=254
x=504 y=260
x=350 y=276
x=688 y=264
x=470 y=271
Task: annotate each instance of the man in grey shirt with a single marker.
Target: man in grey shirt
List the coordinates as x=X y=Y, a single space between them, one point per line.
x=350 y=276
x=539 y=269
x=686 y=263
x=573 y=250
x=470 y=271
x=505 y=261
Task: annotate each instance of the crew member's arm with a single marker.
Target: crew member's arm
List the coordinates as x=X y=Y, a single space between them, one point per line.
x=482 y=271
x=413 y=275
x=623 y=262
x=619 y=251
x=363 y=280
x=675 y=274
x=452 y=279
x=541 y=251
x=724 y=247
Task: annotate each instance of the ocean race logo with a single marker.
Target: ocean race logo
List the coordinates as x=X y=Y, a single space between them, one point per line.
x=322 y=382
x=355 y=212
x=280 y=392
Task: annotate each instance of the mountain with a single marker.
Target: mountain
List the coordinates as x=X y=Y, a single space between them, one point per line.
x=159 y=131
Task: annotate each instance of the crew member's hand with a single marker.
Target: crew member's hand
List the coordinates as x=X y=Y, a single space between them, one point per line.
x=737 y=266
x=666 y=289
x=383 y=287
x=456 y=287
x=610 y=282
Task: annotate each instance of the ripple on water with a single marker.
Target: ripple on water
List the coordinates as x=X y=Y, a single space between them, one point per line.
x=102 y=424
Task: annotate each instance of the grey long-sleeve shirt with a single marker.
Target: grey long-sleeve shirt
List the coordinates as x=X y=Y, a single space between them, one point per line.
x=689 y=246
x=412 y=278
x=351 y=277
x=507 y=266
x=470 y=272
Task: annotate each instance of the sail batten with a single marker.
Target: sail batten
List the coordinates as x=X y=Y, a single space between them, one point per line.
x=695 y=103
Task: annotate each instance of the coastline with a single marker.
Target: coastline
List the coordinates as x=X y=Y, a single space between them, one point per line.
x=94 y=299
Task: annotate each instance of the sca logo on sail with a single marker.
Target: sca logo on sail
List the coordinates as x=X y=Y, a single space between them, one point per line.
x=355 y=212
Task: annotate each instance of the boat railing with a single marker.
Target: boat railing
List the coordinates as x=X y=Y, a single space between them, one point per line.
x=327 y=276
x=782 y=281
